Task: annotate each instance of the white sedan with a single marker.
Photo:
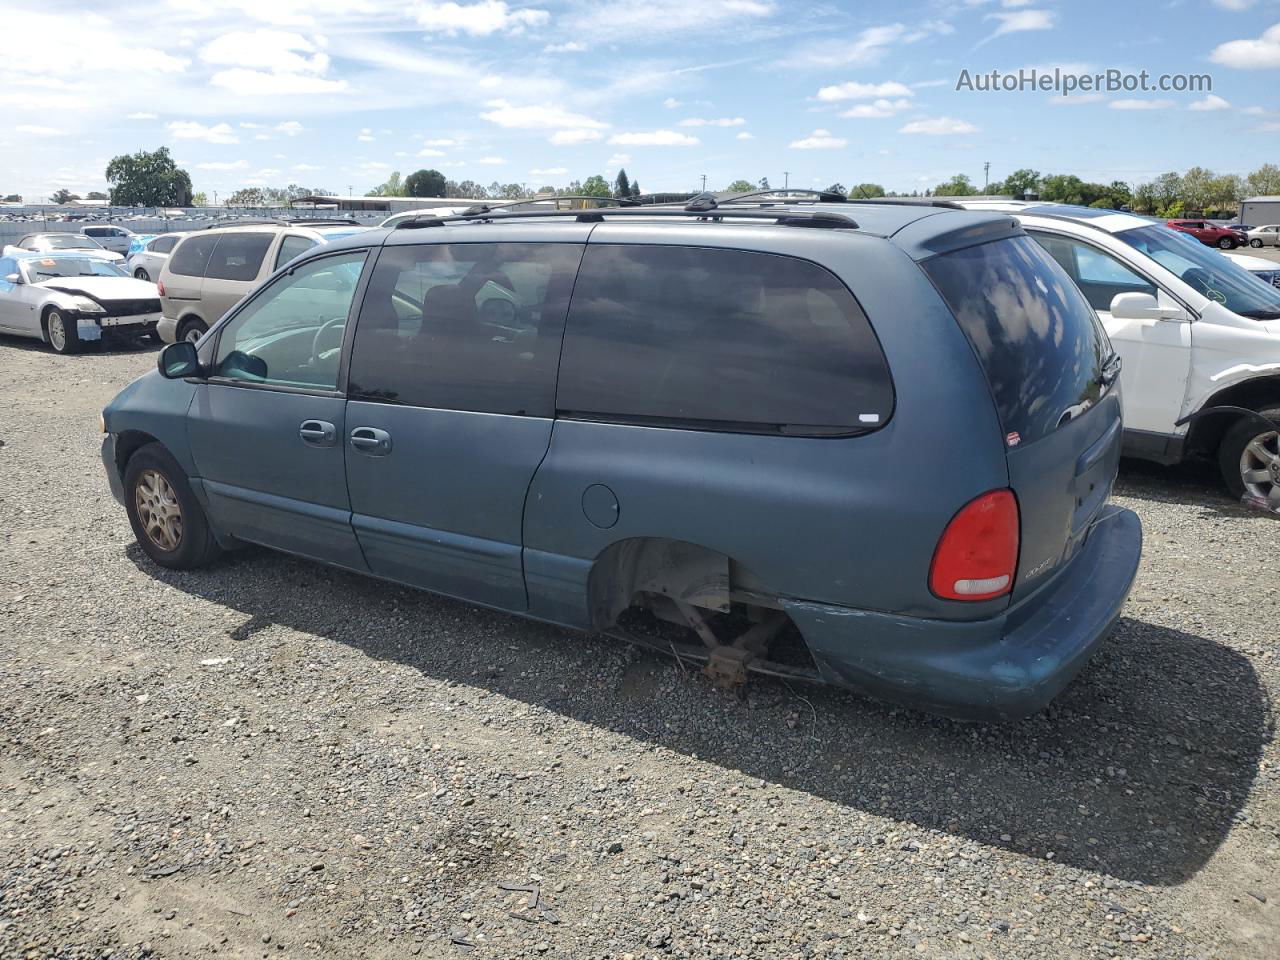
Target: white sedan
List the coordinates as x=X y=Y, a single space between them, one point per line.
x=50 y=242
x=67 y=299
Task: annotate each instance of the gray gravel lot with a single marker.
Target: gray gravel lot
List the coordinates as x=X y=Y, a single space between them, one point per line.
x=271 y=758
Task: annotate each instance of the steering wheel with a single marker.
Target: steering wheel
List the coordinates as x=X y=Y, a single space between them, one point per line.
x=338 y=323
x=1202 y=280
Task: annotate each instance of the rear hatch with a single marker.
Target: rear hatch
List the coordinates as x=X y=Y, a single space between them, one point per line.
x=1054 y=381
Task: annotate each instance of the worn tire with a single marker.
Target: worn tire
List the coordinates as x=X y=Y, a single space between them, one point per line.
x=189 y=326
x=63 y=332
x=195 y=545
x=1231 y=449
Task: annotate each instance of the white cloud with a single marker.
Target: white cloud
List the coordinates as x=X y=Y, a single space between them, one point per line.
x=819 y=140
x=1211 y=102
x=194 y=130
x=290 y=128
x=720 y=122
x=1134 y=104
x=222 y=165
x=275 y=50
x=549 y=172
x=248 y=83
x=430 y=152
x=1235 y=5
x=140 y=116
x=618 y=160
x=654 y=138
x=939 y=127
x=537 y=117
x=491 y=161
x=570 y=47
x=477 y=19
x=671 y=103
x=1020 y=21
x=866 y=49
x=562 y=138
x=864 y=91
x=1075 y=100
x=655 y=20
x=1253 y=111
x=1260 y=54
x=34 y=130
x=877 y=109
x=445 y=142
x=365 y=135
x=744 y=135
x=305 y=167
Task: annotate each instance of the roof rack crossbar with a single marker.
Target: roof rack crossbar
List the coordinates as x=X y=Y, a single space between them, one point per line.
x=509 y=204
x=807 y=218
x=908 y=202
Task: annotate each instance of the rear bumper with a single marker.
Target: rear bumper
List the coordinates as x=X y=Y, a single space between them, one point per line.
x=1004 y=668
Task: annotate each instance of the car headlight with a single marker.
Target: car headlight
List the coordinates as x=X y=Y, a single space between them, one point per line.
x=85 y=305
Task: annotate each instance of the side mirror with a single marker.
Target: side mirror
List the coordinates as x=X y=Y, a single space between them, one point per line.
x=13 y=278
x=1142 y=306
x=179 y=360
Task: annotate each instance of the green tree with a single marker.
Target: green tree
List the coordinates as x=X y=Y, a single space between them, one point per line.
x=622 y=185
x=595 y=186
x=247 y=197
x=148 y=179
x=1225 y=193
x=1144 y=198
x=198 y=199
x=957 y=186
x=471 y=190
x=635 y=188
x=96 y=195
x=13 y=198
x=63 y=196
x=1166 y=190
x=424 y=183
x=1263 y=182
x=1062 y=188
x=740 y=186
x=394 y=187
x=764 y=183
x=866 y=191
x=1018 y=184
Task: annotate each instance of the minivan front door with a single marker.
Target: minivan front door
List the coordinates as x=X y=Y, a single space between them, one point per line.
x=1156 y=354
x=451 y=405
x=267 y=428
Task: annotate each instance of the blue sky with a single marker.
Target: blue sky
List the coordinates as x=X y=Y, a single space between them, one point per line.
x=338 y=93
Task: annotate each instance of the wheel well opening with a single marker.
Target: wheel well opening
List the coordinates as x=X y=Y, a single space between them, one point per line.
x=1206 y=433
x=673 y=594
x=128 y=443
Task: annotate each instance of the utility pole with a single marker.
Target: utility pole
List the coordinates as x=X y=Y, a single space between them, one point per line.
x=986 y=177
x=786 y=179
x=704 y=183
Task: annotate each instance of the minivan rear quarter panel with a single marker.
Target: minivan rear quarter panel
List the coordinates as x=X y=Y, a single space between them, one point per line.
x=851 y=521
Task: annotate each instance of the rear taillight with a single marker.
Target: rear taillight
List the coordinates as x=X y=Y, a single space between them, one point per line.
x=160 y=287
x=977 y=556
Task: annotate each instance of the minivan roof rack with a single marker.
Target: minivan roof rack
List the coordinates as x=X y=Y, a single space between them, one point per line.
x=820 y=196
x=480 y=208
x=782 y=217
x=909 y=202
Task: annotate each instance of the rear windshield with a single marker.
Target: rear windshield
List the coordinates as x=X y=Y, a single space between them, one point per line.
x=1036 y=336
x=191 y=256
x=720 y=339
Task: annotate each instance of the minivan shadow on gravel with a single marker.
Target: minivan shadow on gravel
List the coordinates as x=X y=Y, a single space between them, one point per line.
x=1138 y=770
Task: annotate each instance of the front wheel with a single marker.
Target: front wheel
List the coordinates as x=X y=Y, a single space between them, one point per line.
x=141 y=274
x=1249 y=457
x=1226 y=243
x=168 y=522
x=64 y=333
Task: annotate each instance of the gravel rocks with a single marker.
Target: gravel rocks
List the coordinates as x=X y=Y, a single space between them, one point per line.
x=272 y=758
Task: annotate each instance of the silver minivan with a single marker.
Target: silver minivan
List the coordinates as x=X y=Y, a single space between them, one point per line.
x=210 y=271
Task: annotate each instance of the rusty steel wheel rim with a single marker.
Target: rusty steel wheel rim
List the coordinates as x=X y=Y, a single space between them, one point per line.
x=158 y=510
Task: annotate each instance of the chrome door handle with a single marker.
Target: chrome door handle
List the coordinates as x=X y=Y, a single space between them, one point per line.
x=318 y=433
x=371 y=441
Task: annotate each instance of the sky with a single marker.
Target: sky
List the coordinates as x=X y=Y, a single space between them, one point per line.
x=338 y=93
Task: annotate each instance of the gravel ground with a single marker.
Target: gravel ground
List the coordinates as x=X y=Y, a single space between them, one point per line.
x=269 y=758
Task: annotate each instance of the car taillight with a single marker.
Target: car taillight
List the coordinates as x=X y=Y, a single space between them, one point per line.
x=160 y=287
x=977 y=556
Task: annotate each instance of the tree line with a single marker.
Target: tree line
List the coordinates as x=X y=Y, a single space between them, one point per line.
x=433 y=183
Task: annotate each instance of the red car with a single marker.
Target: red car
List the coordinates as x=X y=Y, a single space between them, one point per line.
x=1225 y=238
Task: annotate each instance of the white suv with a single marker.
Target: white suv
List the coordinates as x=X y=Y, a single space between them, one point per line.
x=1196 y=333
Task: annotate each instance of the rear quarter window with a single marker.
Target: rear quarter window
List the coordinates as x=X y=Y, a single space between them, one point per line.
x=719 y=339
x=191 y=256
x=238 y=256
x=1037 y=338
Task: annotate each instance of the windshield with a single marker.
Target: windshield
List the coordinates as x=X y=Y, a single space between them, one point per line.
x=1207 y=271
x=50 y=267
x=70 y=241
